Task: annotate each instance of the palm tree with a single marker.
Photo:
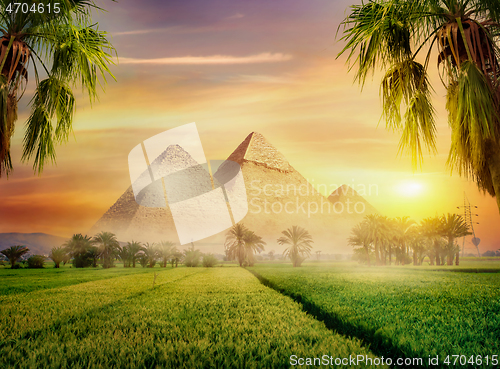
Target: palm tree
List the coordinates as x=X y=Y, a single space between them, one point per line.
x=108 y=247
x=134 y=248
x=165 y=251
x=418 y=243
x=77 y=247
x=375 y=224
x=403 y=235
x=58 y=255
x=14 y=253
x=389 y=238
x=62 y=42
x=241 y=244
x=360 y=236
x=235 y=242
x=431 y=229
x=93 y=253
x=300 y=244
x=151 y=253
x=464 y=34
x=175 y=256
x=453 y=226
x=124 y=254
x=253 y=243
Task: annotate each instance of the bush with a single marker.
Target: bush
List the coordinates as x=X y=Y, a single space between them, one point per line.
x=82 y=261
x=209 y=260
x=192 y=258
x=36 y=261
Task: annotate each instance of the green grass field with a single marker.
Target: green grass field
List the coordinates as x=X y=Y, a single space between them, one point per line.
x=400 y=311
x=225 y=317
x=194 y=317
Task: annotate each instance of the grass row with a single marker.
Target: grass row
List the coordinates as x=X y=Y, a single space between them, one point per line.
x=399 y=312
x=193 y=318
x=28 y=280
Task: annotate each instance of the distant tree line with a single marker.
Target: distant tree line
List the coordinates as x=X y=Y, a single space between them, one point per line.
x=381 y=240
x=84 y=251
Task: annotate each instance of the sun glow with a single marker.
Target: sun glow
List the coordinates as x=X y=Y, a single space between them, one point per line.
x=410 y=189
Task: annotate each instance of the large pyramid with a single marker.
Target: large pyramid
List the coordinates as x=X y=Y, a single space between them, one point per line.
x=278 y=198
x=146 y=222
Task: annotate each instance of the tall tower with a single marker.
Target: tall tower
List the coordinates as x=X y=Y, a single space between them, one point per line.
x=468 y=217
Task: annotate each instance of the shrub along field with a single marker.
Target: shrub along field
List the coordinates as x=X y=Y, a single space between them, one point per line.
x=194 y=317
x=400 y=311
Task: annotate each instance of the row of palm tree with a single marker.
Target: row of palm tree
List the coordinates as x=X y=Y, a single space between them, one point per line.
x=380 y=238
x=87 y=251
x=241 y=244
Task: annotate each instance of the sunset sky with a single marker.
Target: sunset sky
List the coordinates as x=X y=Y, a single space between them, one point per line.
x=234 y=67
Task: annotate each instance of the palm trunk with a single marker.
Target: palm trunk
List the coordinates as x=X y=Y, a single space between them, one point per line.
x=457 y=256
x=493 y=160
x=451 y=252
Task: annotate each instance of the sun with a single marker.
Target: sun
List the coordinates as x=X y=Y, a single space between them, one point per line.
x=410 y=188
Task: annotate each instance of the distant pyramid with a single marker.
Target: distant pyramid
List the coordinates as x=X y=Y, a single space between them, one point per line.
x=346 y=195
x=278 y=198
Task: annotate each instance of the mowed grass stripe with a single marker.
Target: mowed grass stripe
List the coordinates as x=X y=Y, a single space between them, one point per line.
x=209 y=318
x=27 y=313
x=398 y=312
x=28 y=280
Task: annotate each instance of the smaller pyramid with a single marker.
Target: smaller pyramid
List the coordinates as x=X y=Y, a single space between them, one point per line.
x=257 y=150
x=348 y=197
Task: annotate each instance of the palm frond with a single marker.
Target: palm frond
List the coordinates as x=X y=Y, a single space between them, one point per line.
x=473 y=116
x=379 y=33
x=53 y=99
x=82 y=54
x=406 y=85
x=38 y=139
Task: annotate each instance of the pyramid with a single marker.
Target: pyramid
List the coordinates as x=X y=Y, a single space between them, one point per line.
x=278 y=196
x=346 y=197
x=151 y=221
x=255 y=149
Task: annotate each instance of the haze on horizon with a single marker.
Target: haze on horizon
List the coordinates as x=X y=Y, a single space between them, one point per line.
x=234 y=67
